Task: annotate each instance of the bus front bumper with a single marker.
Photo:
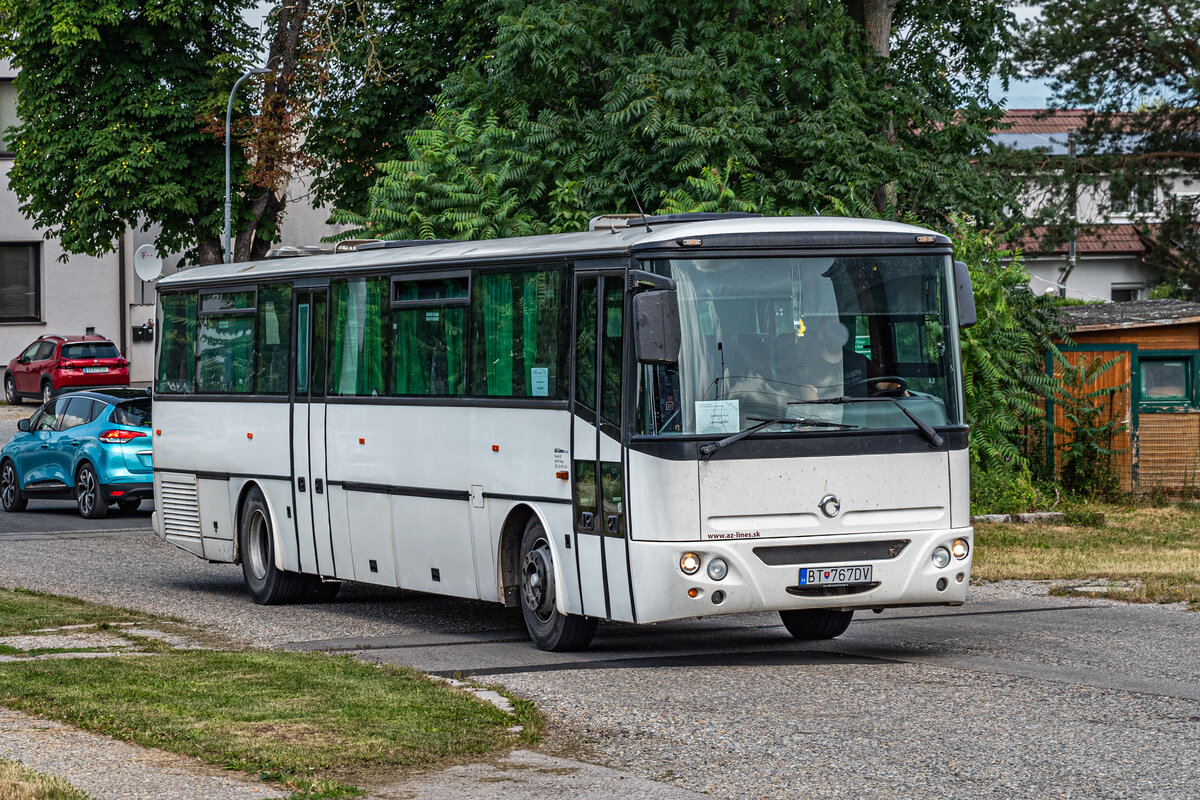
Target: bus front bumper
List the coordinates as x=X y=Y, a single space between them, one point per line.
x=764 y=574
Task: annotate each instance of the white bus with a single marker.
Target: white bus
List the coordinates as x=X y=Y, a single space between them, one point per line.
x=655 y=419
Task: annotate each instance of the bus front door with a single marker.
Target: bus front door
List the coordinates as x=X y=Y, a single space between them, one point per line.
x=309 y=493
x=602 y=551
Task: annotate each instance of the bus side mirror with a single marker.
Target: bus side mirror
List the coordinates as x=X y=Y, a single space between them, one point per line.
x=23 y=425
x=964 y=295
x=656 y=332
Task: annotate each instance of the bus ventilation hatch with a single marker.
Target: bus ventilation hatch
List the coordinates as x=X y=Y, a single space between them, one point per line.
x=180 y=509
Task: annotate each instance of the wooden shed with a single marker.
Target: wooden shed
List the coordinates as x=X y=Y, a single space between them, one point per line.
x=1158 y=342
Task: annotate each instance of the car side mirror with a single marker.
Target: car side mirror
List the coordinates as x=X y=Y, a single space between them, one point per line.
x=23 y=360
x=964 y=295
x=23 y=425
x=656 y=330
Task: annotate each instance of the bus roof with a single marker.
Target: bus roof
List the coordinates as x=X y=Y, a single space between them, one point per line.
x=740 y=232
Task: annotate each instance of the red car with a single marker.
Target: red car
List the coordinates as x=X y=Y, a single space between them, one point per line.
x=56 y=363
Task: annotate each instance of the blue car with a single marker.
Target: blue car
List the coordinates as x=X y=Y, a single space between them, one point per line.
x=90 y=447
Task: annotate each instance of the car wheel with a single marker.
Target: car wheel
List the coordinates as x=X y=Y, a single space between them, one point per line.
x=10 y=391
x=92 y=504
x=548 y=627
x=268 y=584
x=816 y=623
x=47 y=392
x=10 y=489
x=130 y=505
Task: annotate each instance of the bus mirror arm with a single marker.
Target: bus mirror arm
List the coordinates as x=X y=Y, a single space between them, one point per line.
x=964 y=295
x=656 y=329
x=639 y=280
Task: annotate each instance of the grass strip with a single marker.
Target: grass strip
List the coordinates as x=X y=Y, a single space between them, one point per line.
x=22 y=611
x=20 y=783
x=1155 y=549
x=301 y=719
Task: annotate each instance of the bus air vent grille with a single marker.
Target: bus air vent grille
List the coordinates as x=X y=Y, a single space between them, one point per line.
x=836 y=553
x=180 y=509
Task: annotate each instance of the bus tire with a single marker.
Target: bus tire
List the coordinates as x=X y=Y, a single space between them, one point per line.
x=549 y=628
x=816 y=623
x=268 y=584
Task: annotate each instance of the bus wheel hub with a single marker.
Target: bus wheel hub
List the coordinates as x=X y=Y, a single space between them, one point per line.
x=537 y=585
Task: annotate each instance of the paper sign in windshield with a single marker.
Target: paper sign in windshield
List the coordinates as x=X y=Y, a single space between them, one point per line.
x=717 y=416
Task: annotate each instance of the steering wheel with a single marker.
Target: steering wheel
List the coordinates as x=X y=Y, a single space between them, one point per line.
x=872 y=384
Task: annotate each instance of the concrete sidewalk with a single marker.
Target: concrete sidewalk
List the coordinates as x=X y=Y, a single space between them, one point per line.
x=111 y=770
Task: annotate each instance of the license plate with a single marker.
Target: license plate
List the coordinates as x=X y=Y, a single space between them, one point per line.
x=835 y=576
x=95 y=369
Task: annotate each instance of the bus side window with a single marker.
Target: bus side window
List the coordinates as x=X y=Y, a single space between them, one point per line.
x=585 y=344
x=610 y=357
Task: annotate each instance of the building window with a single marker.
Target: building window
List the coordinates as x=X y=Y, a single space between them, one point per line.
x=1125 y=292
x=1166 y=380
x=8 y=115
x=1137 y=198
x=20 y=282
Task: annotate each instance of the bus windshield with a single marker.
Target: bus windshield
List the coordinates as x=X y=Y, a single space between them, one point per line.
x=769 y=338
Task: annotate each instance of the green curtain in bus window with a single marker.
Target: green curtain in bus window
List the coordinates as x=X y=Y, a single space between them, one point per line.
x=492 y=348
x=517 y=319
x=274 y=335
x=225 y=353
x=428 y=342
x=176 y=344
x=357 y=337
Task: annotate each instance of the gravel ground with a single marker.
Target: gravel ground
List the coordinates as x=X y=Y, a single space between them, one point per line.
x=886 y=731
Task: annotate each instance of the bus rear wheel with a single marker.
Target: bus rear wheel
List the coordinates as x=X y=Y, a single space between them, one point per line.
x=549 y=628
x=816 y=623
x=268 y=584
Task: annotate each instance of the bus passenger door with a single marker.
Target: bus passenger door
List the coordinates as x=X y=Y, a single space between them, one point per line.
x=308 y=433
x=598 y=474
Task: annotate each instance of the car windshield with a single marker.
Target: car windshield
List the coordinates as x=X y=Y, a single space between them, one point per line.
x=762 y=338
x=133 y=412
x=90 y=350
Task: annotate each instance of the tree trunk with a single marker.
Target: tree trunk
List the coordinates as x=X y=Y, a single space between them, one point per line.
x=210 y=251
x=876 y=17
x=275 y=145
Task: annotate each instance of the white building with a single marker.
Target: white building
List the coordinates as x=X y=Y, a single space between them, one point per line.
x=1110 y=262
x=42 y=294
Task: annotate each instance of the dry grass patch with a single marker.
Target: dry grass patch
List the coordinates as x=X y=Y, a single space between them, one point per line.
x=19 y=783
x=1155 y=551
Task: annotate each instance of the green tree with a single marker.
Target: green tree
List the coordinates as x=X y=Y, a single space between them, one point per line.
x=1136 y=65
x=109 y=97
x=600 y=103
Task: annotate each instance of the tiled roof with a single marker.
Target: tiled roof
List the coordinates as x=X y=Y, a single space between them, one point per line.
x=1099 y=239
x=1133 y=314
x=1043 y=120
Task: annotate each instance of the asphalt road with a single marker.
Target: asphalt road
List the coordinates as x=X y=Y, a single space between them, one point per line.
x=1015 y=694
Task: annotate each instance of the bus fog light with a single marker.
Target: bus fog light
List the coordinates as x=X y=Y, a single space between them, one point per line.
x=689 y=563
x=960 y=548
x=717 y=569
x=718 y=597
x=941 y=584
x=941 y=557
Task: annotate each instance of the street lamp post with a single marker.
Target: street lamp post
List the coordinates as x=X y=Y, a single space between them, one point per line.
x=228 y=114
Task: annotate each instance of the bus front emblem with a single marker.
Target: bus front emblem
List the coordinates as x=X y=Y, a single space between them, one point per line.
x=830 y=505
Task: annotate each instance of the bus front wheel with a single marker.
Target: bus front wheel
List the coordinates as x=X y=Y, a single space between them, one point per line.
x=268 y=584
x=816 y=623
x=549 y=628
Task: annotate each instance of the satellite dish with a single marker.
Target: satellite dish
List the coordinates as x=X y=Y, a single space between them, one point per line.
x=146 y=263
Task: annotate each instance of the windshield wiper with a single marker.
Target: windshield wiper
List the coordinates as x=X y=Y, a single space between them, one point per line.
x=926 y=431
x=708 y=449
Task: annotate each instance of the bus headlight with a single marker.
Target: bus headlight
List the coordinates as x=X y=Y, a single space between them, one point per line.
x=717 y=569
x=689 y=563
x=959 y=548
x=941 y=557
